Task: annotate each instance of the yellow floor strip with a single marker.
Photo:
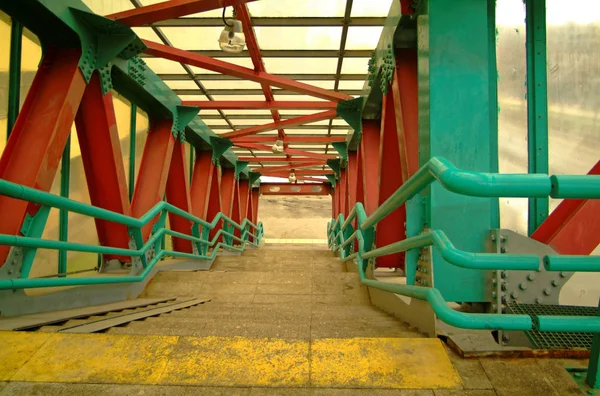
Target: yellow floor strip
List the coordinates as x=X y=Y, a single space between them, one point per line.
x=225 y=361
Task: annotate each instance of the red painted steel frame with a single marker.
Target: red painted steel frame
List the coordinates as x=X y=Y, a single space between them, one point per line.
x=406 y=101
x=295 y=189
x=178 y=194
x=230 y=69
x=214 y=199
x=360 y=194
x=302 y=172
x=291 y=165
x=260 y=105
x=227 y=190
x=343 y=187
x=35 y=147
x=201 y=183
x=392 y=228
x=335 y=202
x=289 y=151
x=154 y=171
x=244 y=193
x=103 y=162
x=307 y=119
x=290 y=139
x=370 y=164
x=169 y=10
x=574 y=226
x=352 y=179
x=276 y=159
x=255 y=197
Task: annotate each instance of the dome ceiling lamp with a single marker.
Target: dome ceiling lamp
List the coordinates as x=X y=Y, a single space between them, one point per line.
x=232 y=37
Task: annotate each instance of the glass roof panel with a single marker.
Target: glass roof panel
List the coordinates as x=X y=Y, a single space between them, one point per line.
x=301 y=65
x=363 y=37
x=298 y=37
x=364 y=8
x=295 y=8
x=284 y=97
x=146 y=33
x=353 y=84
x=241 y=112
x=355 y=65
x=159 y=65
x=230 y=84
x=327 y=84
x=104 y=7
x=194 y=38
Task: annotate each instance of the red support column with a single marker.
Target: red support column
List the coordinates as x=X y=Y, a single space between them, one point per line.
x=406 y=101
x=103 y=161
x=38 y=138
x=352 y=179
x=235 y=210
x=343 y=187
x=391 y=229
x=335 y=202
x=244 y=190
x=178 y=194
x=214 y=198
x=574 y=226
x=154 y=170
x=255 y=196
x=370 y=164
x=360 y=193
x=228 y=183
x=201 y=183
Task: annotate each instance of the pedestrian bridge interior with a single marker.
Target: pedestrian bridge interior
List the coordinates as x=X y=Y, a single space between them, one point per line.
x=455 y=141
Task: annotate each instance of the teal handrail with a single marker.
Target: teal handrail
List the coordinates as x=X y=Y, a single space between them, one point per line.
x=46 y=199
x=341 y=236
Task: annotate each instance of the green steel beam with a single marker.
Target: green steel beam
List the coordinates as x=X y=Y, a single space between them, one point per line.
x=14 y=76
x=493 y=97
x=593 y=373
x=537 y=104
x=132 y=137
x=63 y=220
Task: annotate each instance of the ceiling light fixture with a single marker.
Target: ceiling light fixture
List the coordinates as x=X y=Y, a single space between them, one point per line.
x=292 y=177
x=232 y=37
x=277 y=148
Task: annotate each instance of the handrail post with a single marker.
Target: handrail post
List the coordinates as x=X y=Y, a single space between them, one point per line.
x=593 y=374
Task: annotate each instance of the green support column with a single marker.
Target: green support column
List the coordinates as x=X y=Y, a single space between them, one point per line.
x=593 y=374
x=537 y=103
x=14 y=76
x=132 y=136
x=458 y=116
x=63 y=219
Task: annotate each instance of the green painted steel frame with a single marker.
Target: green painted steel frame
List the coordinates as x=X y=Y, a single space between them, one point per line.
x=14 y=75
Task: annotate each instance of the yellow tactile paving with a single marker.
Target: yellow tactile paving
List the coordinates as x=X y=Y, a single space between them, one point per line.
x=226 y=361
x=415 y=363
x=16 y=349
x=99 y=358
x=239 y=361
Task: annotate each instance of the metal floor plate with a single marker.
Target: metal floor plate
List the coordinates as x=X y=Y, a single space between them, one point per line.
x=548 y=340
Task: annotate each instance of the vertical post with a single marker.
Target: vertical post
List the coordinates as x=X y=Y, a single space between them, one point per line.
x=201 y=182
x=255 y=197
x=191 y=162
x=132 y=137
x=457 y=71
x=352 y=179
x=593 y=374
x=537 y=104
x=370 y=163
x=14 y=75
x=178 y=195
x=63 y=219
x=343 y=191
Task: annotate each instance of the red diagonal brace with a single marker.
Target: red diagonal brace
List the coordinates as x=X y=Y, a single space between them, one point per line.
x=169 y=10
x=307 y=119
x=290 y=139
x=370 y=164
x=208 y=63
x=274 y=159
x=302 y=172
x=201 y=183
x=178 y=194
x=574 y=226
x=287 y=151
x=292 y=165
x=260 y=105
x=38 y=138
x=103 y=161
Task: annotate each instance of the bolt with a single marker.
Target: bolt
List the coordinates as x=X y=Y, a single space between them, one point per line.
x=493 y=238
x=547 y=292
x=502 y=238
x=555 y=283
x=494 y=295
x=503 y=286
x=505 y=337
x=494 y=307
x=503 y=274
x=494 y=282
x=562 y=275
x=514 y=295
x=502 y=250
x=530 y=276
x=538 y=300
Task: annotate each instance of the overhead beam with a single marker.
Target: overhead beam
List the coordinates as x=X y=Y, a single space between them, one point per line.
x=295 y=189
x=233 y=91
x=259 y=105
x=169 y=10
x=274 y=21
x=298 y=76
x=303 y=172
x=291 y=139
x=307 y=119
x=205 y=62
x=292 y=165
x=288 y=151
x=281 y=53
x=307 y=127
x=274 y=159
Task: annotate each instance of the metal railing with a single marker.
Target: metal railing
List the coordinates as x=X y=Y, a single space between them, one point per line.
x=342 y=236
x=149 y=252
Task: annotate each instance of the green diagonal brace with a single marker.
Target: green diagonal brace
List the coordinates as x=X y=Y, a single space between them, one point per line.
x=219 y=146
x=335 y=164
x=253 y=177
x=331 y=179
x=351 y=112
x=182 y=116
x=102 y=39
x=239 y=167
x=342 y=149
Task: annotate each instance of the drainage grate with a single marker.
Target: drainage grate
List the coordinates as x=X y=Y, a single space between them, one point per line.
x=547 y=340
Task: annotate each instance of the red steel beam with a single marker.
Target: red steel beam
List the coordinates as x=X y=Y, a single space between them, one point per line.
x=291 y=165
x=259 y=105
x=154 y=170
x=201 y=183
x=244 y=191
x=103 y=162
x=391 y=228
x=295 y=189
x=230 y=69
x=574 y=226
x=178 y=194
x=37 y=141
x=290 y=139
x=302 y=172
x=286 y=151
x=343 y=187
x=370 y=164
x=255 y=194
x=307 y=119
x=276 y=159
x=169 y=10
x=352 y=179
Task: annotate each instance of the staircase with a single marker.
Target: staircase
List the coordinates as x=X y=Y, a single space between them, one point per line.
x=301 y=293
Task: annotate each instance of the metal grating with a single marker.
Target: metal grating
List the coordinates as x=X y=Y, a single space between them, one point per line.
x=548 y=340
